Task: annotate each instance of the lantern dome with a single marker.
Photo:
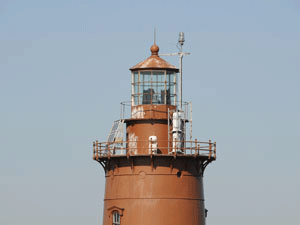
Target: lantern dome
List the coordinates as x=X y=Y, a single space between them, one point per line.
x=154 y=62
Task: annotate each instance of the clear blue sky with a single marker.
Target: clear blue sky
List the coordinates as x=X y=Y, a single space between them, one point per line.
x=64 y=70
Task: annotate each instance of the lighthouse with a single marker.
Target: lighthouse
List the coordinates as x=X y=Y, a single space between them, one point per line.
x=153 y=168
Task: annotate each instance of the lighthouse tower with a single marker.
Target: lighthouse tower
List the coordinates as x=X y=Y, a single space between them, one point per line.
x=153 y=171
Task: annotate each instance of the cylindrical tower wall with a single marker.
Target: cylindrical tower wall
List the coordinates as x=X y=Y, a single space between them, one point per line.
x=154 y=191
x=138 y=133
x=149 y=120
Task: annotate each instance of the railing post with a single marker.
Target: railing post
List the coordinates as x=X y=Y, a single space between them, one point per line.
x=97 y=156
x=196 y=150
x=94 y=150
x=151 y=146
x=100 y=149
x=175 y=146
x=121 y=110
x=210 y=149
x=168 y=130
x=215 y=150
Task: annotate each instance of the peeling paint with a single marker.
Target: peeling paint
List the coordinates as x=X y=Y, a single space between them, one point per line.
x=138 y=112
x=132 y=143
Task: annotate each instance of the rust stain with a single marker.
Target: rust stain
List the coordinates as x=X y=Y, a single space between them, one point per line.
x=154 y=62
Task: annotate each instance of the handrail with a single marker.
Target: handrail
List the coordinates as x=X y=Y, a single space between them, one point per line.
x=125 y=110
x=104 y=149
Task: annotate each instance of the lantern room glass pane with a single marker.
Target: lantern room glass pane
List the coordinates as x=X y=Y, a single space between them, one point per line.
x=136 y=77
x=136 y=89
x=154 y=87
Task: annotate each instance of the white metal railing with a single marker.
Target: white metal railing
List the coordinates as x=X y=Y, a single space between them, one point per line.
x=125 y=110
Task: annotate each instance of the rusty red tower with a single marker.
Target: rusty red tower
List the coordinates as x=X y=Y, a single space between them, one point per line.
x=153 y=171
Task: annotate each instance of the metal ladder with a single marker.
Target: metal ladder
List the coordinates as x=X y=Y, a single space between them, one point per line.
x=116 y=133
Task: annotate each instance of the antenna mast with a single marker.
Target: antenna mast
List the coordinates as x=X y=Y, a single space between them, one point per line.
x=155 y=36
x=181 y=54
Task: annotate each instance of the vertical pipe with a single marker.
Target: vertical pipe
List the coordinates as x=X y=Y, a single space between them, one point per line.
x=165 y=87
x=132 y=89
x=191 y=122
x=196 y=149
x=168 y=130
x=121 y=108
x=184 y=131
x=185 y=110
x=180 y=80
x=175 y=88
x=138 y=83
x=151 y=86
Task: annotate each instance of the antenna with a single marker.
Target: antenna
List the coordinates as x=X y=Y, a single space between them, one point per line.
x=181 y=38
x=181 y=54
x=155 y=36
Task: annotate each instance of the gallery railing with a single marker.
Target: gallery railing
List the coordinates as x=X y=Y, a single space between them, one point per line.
x=119 y=148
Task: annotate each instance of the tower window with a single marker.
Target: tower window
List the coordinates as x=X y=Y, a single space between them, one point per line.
x=116 y=218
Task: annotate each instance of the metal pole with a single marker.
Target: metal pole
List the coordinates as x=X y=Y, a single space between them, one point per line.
x=168 y=130
x=181 y=54
x=191 y=122
x=180 y=88
x=121 y=111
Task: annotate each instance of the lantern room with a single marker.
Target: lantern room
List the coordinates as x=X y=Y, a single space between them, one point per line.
x=154 y=81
